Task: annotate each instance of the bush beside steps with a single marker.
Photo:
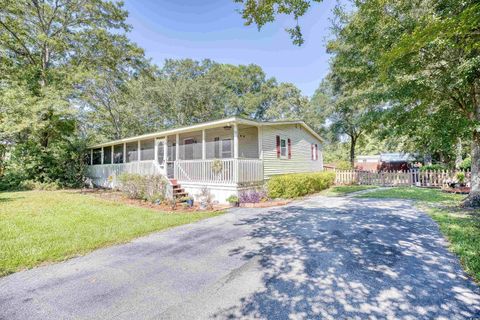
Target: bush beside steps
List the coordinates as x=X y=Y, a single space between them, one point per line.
x=299 y=184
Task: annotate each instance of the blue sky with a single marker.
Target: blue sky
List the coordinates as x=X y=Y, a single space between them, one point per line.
x=213 y=29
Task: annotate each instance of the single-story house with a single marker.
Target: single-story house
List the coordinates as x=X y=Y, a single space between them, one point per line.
x=384 y=162
x=226 y=156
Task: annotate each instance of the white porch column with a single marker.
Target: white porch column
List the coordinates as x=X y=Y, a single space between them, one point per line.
x=101 y=160
x=138 y=151
x=165 y=151
x=113 y=154
x=177 y=147
x=204 y=145
x=235 y=140
x=260 y=142
x=91 y=156
x=124 y=153
x=155 y=150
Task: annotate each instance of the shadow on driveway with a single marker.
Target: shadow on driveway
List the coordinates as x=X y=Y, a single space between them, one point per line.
x=353 y=258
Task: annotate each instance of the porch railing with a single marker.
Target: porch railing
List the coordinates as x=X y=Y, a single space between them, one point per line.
x=105 y=175
x=219 y=171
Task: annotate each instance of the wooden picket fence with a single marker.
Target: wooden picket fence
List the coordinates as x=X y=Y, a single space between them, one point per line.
x=418 y=178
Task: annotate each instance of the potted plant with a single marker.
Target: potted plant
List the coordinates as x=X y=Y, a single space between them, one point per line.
x=188 y=201
x=233 y=200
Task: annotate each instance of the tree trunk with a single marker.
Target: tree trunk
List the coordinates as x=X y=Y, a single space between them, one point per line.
x=474 y=196
x=353 y=142
x=459 y=151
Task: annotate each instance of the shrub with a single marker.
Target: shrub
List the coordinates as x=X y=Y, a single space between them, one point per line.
x=233 y=199
x=299 y=184
x=434 y=167
x=150 y=188
x=252 y=196
x=461 y=177
x=36 y=185
x=466 y=163
x=343 y=165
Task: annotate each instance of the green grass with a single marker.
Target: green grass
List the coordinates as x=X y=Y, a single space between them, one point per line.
x=46 y=226
x=463 y=232
x=336 y=191
x=460 y=226
x=414 y=193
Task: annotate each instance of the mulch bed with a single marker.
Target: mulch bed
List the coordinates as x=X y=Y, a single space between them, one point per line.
x=118 y=196
x=458 y=190
x=265 y=204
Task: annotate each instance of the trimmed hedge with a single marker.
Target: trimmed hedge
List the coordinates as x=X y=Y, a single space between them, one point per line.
x=299 y=184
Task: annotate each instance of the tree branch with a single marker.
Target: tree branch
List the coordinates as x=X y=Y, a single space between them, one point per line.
x=28 y=54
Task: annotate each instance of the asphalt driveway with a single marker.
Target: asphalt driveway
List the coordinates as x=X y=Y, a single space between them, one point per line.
x=331 y=258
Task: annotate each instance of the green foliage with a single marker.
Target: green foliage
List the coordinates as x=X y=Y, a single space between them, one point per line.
x=434 y=167
x=299 y=184
x=466 y=163
x=262 y=12
x=136 y=186
x=232 y=199
x=36 y=185
x=460 y=177
x=49 y=52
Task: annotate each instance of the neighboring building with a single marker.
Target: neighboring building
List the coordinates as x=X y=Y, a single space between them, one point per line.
x=384 y=162
x=246 y=152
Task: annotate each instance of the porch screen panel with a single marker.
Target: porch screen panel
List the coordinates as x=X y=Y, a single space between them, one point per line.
x=118 y=153
x=147 y=149
x=107 y=155
x=97 y=156
x=132 y=151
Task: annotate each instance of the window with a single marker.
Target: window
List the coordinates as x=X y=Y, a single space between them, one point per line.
x=314 y=152
x=107 y=155
x=147 y=150
x=226 y=148
x=132 y=151
x=97 y=156
x=118 y=153
x=283 y=147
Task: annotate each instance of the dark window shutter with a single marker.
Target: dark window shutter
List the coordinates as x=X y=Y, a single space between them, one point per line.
x=289 y=149
x=316 y=151
x=278 y=146
x=311 y=151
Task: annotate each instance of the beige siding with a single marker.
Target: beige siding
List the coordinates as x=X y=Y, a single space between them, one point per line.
x=301 y=141
x=248 y=143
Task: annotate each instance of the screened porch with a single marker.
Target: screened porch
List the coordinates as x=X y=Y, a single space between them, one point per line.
x=226 y=154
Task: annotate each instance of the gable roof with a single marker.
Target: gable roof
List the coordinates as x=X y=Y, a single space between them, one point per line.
x=207 y=125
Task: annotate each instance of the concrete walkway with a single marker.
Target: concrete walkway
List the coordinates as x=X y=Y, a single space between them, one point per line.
x=331 y=258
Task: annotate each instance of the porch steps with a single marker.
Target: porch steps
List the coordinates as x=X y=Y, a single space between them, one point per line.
x=178 y=191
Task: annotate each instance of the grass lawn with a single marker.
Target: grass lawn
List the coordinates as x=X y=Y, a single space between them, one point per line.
x=45 y=226
x=414 y=193
x=336 y=191
x=460 y=226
